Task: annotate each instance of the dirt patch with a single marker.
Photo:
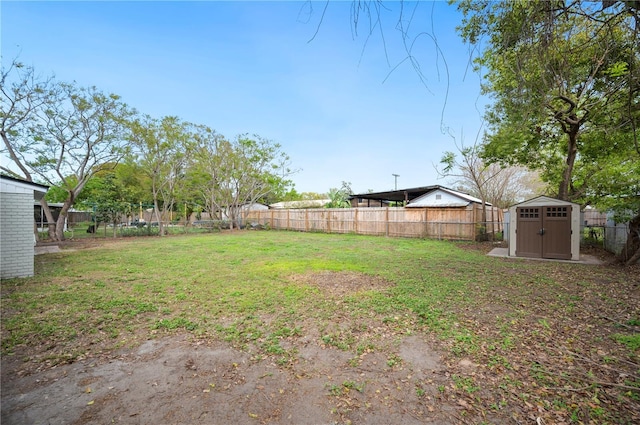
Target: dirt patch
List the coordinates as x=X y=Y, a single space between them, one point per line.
x=180 y=380
x=339 y=284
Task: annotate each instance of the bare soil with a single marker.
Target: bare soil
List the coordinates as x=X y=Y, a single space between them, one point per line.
x=176 y=380
x=180 y=379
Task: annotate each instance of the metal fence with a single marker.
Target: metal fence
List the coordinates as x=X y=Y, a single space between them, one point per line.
x=612 y=236
x=89 y=229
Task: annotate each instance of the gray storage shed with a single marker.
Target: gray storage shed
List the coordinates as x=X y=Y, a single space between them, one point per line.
x=545 y=227
x=17 y=233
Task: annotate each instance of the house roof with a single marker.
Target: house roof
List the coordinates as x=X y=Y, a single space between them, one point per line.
x=412 y=195
x=396 y=195
x=451 y=198
x=17 y=185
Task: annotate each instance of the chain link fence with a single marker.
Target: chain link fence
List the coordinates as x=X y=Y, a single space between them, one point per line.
x=88 y=229
x=610 y=236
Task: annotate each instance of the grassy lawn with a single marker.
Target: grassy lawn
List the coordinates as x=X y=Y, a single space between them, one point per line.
x=559 y=339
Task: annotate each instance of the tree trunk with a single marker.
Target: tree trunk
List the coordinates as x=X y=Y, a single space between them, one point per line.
x=51 y=223
x=62 y=218
x=572 y=151
x=631 y=252
x=156 y=210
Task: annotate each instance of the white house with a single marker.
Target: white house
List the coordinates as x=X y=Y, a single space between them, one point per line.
x=444 y=197
x=17 y=226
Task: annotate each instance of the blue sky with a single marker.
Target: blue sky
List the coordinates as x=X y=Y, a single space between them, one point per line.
x=344 y=107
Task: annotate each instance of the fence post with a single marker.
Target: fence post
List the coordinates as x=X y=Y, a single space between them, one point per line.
x=306 y=220
x=355 y=221
x=474 y=220
x=387 y=221
x=288 y=219
x=426 y=225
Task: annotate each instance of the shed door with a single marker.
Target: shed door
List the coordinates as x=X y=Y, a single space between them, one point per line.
x=528 y=240
x=556 y=241
x=544 y=232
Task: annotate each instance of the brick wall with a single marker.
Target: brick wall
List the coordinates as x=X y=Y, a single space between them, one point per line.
x=16 y=235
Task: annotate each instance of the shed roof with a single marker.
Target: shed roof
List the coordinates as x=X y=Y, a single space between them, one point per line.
x=542 y=200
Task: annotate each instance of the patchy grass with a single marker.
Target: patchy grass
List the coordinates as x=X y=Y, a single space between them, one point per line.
x=552 y=340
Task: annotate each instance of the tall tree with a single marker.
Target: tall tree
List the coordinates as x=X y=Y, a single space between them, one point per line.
x=109 y=200
x=23 y=95
x=209 y=169
x=162 y=148
x=58 y=133
x=236 y=174
x=565 y=81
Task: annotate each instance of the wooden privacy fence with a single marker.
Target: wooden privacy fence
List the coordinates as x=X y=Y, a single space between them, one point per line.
x=440 y=223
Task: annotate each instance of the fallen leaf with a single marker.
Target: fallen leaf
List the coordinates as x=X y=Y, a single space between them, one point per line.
x=464 y=404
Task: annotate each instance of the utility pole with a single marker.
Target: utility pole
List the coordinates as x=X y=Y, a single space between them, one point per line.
x=396 y=179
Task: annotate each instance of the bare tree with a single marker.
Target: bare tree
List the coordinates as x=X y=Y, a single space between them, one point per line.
x=501 y=186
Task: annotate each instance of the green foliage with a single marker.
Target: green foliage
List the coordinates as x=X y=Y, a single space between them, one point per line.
x=631 y=341
x=465 y=383
x=107 y=200
x=230 y=174
x=162 y=149
x=339 y=198
x=556 y=108
x=176 y=323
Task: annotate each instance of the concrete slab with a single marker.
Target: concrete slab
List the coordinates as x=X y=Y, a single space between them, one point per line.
x=584 y=259
x=46 y=249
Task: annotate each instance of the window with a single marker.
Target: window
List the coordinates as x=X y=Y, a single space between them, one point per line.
x=438 y=197
x=557 y=211
x=529 y=212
